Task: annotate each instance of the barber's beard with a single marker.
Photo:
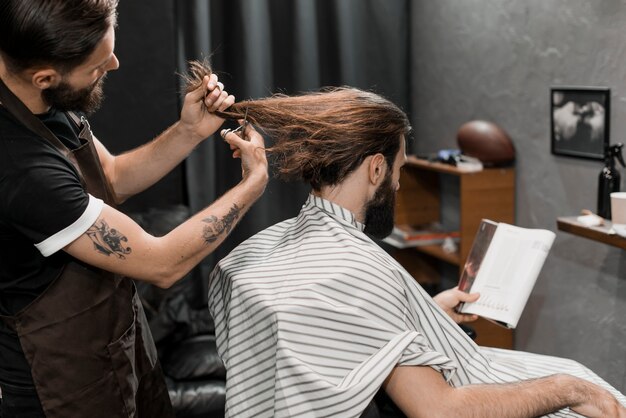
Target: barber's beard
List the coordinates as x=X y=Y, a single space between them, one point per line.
x=65 y=98
x=379 y=212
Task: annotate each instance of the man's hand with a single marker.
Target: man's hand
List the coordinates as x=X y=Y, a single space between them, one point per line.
x=449 y=299
x=250 y=147
x=420 y=391
x=197 y=116
x=595 y=401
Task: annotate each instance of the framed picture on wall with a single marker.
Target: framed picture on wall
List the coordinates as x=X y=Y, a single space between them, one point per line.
x=580 y=121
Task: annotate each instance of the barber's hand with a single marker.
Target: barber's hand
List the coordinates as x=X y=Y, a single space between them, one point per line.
x=596 y=402
x=196 y=116
x=449 y=299
x=251 y=150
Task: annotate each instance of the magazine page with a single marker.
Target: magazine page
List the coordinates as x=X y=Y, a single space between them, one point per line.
x=508 y=272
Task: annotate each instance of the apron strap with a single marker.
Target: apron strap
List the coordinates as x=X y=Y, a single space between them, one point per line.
x=74 y=118
x=26 y=118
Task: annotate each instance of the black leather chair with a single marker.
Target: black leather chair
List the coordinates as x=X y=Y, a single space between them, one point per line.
x=195 y=377
x=183 y=333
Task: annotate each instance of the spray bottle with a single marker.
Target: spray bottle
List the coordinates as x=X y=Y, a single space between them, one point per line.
x=610 y=179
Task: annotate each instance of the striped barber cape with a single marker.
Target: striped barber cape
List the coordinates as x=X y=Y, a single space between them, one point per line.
x=311 y=316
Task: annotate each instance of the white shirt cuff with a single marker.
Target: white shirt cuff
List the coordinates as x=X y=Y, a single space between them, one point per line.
x=55 y=242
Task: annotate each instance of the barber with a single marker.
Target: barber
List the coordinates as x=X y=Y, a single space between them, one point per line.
x=74 y=340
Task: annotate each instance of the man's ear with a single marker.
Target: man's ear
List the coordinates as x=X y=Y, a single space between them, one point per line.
x=377 y=169
x=45 y=78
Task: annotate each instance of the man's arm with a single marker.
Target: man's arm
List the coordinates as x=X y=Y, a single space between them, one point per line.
x=138 y=169
x=421 y=391
x=116 y=243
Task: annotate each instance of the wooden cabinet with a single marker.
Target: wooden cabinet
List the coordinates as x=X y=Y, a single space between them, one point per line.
x=489 y=194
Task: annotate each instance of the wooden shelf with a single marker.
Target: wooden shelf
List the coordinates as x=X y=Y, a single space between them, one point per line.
x=489 y=193
x=437 y=167
x=596 y=233
x=438 y=252
x=434 y=250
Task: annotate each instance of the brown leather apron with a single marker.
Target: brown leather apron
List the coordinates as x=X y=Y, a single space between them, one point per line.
x=86 y=337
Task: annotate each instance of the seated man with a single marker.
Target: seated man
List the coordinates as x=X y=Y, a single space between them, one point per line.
x=313 y=317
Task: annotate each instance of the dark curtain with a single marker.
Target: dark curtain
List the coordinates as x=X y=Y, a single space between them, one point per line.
x=142 y=96
x=260 y=47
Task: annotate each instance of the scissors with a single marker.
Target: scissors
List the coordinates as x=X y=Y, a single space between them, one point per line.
x=241 y=127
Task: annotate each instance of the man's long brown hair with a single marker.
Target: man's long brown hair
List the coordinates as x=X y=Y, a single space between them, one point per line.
x=320 y=137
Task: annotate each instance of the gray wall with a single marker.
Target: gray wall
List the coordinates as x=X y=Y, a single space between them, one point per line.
x=496 y=60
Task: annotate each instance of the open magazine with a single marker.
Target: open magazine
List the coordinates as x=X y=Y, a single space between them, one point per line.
x=503 y=265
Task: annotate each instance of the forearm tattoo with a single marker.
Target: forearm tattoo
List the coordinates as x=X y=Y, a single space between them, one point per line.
x=215 y=227
x=108 y=240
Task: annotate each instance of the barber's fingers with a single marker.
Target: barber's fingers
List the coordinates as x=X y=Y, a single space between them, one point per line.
x=234 y=140
x=240 y=137
x=251 y=150
x=228 y=102
x=213 y=82
x=243 y=142
x=253 y=136
x=216 y=95
x=213 y=93
x=209 y=84
x=215 y=99
x=231 y=142
x=224 y=101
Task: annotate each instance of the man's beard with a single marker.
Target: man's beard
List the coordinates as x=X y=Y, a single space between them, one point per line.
x=65 y=98
x=379 y=212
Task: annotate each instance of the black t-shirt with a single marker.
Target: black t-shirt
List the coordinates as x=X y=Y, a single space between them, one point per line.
x=41 y=196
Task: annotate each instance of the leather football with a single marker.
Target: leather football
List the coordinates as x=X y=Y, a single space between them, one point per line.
x=487 y=142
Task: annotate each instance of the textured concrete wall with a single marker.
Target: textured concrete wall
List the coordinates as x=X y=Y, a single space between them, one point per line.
x=496 y=60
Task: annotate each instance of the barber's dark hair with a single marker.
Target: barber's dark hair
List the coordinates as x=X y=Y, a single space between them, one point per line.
x=321 y=137
x=59 y=33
